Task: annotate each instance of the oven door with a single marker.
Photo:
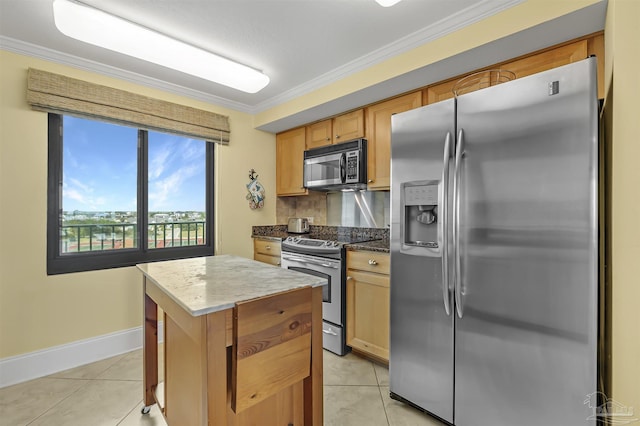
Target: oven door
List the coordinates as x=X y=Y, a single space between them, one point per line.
x=330 y=269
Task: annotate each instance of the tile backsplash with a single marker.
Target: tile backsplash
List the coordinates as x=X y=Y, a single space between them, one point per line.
x=312 y=206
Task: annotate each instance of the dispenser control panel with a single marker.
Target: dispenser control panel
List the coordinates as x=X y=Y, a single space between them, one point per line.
x=421 y=195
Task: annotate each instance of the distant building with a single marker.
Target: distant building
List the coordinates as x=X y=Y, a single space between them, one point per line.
x=160 y=217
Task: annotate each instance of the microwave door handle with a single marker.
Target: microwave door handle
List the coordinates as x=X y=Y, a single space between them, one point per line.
x=343 y=167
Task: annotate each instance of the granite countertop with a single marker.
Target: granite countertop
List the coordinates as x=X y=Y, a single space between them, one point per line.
x=379 y=236
x=202 y=285
x=381 y=246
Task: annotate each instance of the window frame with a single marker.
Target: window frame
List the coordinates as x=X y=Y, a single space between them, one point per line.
x=58 y=263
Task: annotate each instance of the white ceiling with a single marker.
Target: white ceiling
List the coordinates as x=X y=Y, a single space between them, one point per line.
x=299 y=44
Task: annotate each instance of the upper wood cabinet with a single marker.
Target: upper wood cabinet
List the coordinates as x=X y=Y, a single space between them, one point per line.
x=319 y=134
x=336 y=130
x=290 y=146
x=548 y=59
x=559 y=56
x=379 y=137
x=348 y=126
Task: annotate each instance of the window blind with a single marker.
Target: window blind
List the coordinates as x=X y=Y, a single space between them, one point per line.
x=60 y=94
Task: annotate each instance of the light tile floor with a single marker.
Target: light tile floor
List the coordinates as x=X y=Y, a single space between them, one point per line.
x=109 y=393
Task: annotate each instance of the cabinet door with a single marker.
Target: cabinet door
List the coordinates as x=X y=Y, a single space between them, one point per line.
x=523 y=67
x=368 y=313
x=559 y=56
x=379 y=137
x=290 y=147
x=348 y=126
x=319 y=134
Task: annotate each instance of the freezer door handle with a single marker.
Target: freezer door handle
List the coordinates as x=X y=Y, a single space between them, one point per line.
x=443 y=223
x=456 y=223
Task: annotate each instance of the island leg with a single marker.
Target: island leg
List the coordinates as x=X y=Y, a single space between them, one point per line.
x=313 y=398
x=150 y=350
x=217 y=367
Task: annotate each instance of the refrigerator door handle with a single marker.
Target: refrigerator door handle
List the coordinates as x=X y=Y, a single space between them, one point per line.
x=443 y=214
x=456 y=223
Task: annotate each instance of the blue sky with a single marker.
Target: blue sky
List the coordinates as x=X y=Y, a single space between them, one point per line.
x=100 y=166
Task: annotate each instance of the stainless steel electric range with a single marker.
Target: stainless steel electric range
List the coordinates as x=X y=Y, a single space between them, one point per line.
x=324 y=258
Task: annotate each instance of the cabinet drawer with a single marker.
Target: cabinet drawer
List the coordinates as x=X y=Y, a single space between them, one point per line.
x=272 y=260
x=368 y=261
x=268 y=247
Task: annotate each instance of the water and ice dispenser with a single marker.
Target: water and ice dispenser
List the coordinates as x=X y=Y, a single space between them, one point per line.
x=420 y=222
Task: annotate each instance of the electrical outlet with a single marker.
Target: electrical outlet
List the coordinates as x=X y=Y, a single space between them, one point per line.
x=310 y=220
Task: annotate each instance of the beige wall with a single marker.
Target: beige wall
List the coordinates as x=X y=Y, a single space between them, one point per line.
x=39 y=311
x=622 y=34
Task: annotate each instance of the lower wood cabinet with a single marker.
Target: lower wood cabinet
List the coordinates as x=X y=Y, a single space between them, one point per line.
x=266 y=250
x=368 y=304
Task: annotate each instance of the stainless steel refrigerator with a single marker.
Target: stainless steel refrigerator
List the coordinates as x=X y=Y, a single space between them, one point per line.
x=494 y=253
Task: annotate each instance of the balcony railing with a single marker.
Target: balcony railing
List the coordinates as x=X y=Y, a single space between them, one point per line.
x=117 y=236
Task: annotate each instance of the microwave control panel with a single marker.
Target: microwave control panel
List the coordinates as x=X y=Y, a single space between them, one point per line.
x=352 y=166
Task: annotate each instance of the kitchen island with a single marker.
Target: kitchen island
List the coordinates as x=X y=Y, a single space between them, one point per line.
x=242 y=342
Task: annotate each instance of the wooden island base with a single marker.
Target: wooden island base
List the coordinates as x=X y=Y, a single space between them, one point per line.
x=259 y=362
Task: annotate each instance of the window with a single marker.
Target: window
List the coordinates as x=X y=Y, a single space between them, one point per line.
x=118 y=196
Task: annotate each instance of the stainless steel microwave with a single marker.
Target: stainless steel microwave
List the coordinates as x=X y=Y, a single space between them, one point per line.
x=336 y=167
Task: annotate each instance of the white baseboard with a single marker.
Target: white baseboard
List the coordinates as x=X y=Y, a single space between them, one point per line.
x=20 y=368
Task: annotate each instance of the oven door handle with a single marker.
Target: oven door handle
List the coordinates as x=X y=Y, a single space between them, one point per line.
x=329 y=331
x=310 y=262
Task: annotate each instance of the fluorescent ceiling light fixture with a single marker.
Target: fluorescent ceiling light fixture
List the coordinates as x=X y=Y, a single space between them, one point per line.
x=93 y=26
x=387 y=3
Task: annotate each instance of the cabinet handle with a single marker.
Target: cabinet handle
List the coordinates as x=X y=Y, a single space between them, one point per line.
x=337 y=136
x=370 y=181
x=349 y=278
x=372 y=262
x=268 y=247
x=328 y=139
x=279 y=264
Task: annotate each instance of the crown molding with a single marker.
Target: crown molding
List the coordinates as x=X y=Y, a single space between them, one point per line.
x=439 y=29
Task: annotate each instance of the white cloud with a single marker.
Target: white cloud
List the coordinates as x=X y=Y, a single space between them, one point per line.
x=161 y=159
x=162 y=190
x=80 y=185
x=81 y=193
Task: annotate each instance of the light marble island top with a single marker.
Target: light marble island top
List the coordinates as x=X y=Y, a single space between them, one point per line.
x=203 y=285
